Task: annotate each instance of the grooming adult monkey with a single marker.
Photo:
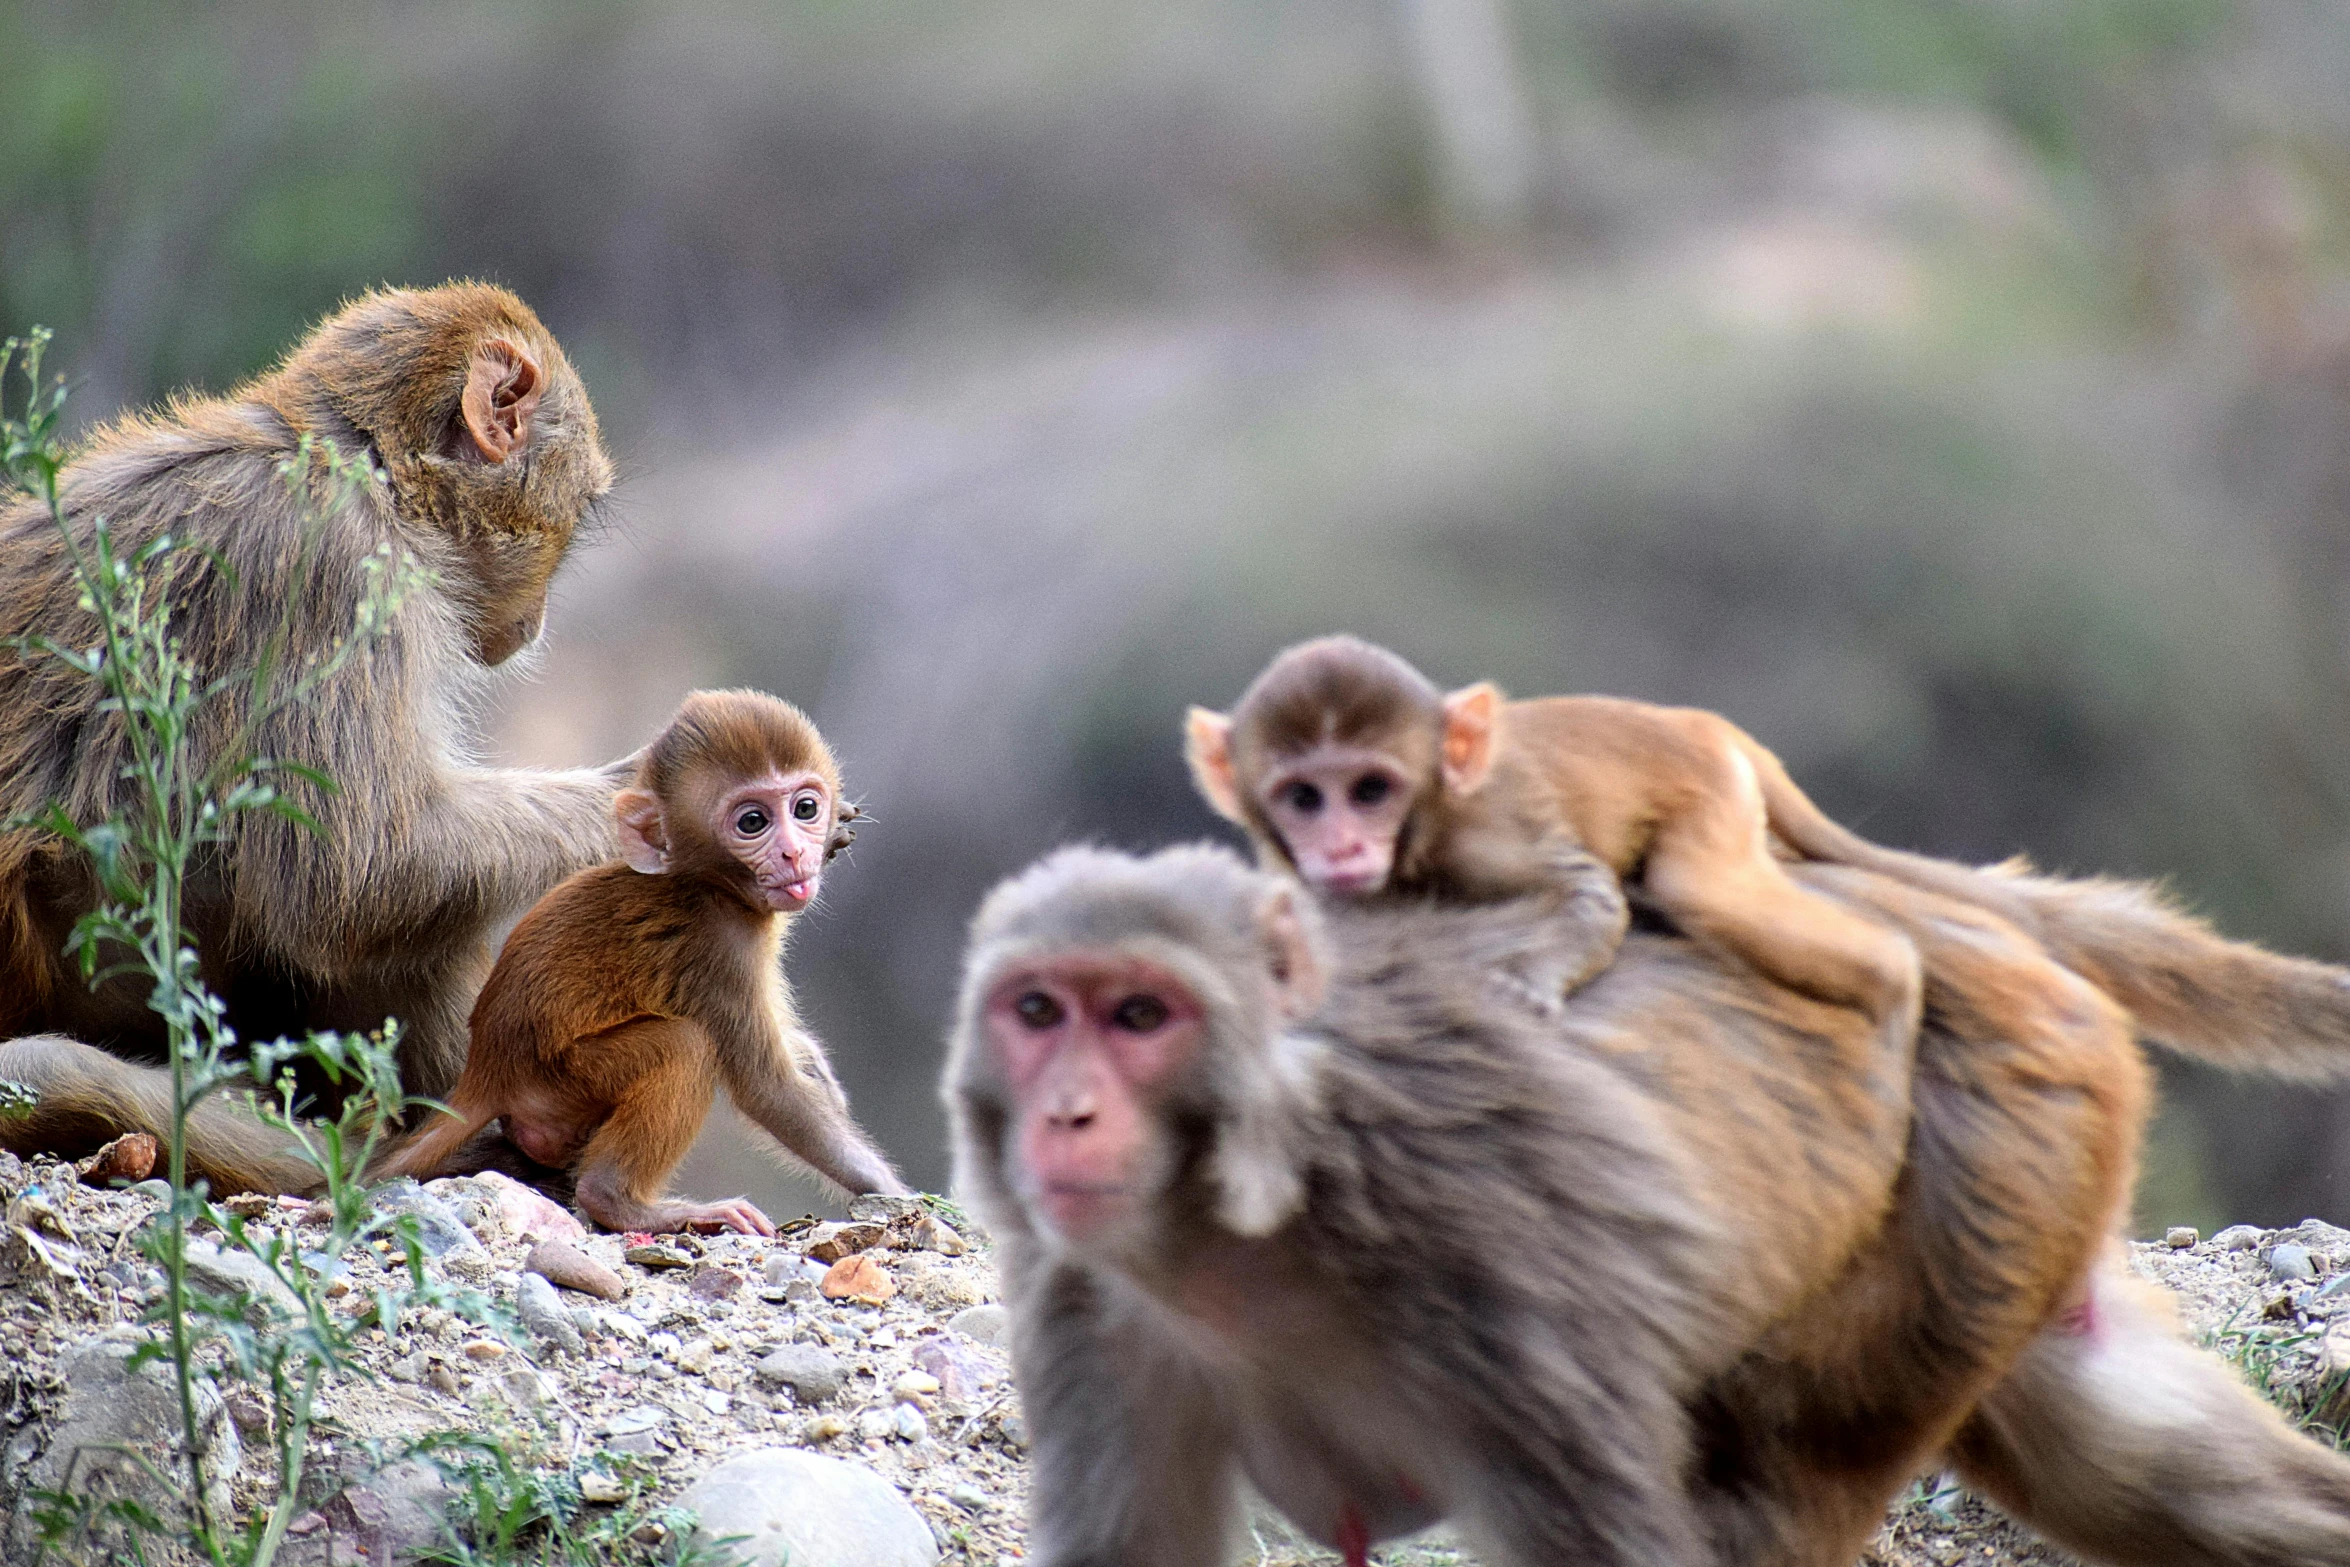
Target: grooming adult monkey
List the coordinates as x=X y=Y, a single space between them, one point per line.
x=1654 y=1282
x=489 y=457
x=1346 y=765
x=631 y=991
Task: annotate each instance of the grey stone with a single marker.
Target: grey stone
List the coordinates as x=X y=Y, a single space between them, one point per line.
x=2180 y=1237
x=543 y=1316
x=989 y=1325
x=107 y=1407
x=876 y=1208
x=230 y=1272
x=392 y=1515
x=2292 y=1261
x=2238 y=1237
x=158 y=1189
x=813 y=1374
x=807 y=1510
x=439 y=1230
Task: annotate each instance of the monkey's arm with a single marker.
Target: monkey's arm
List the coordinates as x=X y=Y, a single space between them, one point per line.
x=779 y=1076
x=1548 y=941
x=1133 y=1453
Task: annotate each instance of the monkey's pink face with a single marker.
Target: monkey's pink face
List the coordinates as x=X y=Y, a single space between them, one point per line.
x=1338 y=812
x=778 y=827
x=1088 y=1045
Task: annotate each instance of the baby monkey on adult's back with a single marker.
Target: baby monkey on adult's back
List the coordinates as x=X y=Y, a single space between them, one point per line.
x=631 y=990
x=1347 y=764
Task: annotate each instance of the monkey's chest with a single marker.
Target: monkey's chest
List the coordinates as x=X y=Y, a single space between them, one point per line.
x=1315 y=1407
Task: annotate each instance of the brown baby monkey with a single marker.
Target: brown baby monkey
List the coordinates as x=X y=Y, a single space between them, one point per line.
x=1348 y=766
x=629 y=992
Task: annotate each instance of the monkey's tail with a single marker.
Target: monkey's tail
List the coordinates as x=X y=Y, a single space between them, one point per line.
x=2185 y=986
x=88 y=1098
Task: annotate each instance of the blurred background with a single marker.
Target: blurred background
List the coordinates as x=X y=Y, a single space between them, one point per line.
x=1953 y=392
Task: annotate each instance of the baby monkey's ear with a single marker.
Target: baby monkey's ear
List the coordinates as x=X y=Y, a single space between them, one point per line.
x=1207 y=746
x=644 y=834
x=1470 y=715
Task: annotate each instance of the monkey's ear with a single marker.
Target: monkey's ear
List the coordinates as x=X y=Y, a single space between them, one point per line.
x=502 y=387
x=1299 y=981
x=1469 y=716
x=1207 y=746
x=644 y=836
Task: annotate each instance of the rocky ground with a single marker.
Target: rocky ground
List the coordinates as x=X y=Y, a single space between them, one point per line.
x=841 y=1392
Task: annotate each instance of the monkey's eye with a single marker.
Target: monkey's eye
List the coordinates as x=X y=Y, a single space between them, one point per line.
x=1139 y=1014
x=806 y=808
x=1037 y=1009
x=1370 y=789
x=1304 y=798
x=750 y=821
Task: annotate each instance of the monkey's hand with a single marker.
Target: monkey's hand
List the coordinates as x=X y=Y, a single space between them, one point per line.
x=842 y=833
x=711 y=1218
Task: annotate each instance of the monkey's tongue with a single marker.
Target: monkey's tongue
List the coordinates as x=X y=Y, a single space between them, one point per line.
x=791 y=894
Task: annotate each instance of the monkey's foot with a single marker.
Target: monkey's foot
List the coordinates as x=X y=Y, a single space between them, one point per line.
x=704 y=1218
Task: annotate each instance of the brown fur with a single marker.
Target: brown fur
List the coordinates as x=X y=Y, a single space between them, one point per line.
x=1671 y=795
x=622 y=1000
x=423 y=852
x=1614 y=773
x=1662 y=1280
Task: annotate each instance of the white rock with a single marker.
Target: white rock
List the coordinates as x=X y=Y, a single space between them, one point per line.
x=809 y=1510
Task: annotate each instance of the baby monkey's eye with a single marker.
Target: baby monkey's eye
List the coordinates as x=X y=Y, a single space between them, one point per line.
x=806 y=808
x=1304 y=798
x=1140 y=1014
x=1371 y=788
x=1037 y=1009
x=751 y=822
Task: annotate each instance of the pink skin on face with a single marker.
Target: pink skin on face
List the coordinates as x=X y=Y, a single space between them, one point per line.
x=1338 y=812
x=1087 y=1043
x=779 y=827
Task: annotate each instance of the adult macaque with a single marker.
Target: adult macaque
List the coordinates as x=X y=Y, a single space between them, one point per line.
x=488 y=456
x=1660 y=1281
x=1346 y=765
x=631 y=991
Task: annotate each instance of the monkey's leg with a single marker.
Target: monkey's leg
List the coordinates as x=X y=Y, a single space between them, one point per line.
x=1712 y=872
x=1132 y=1453
x=624 y=1170
x=800 y=1104
x=434 y=1146
x=2117 y=1438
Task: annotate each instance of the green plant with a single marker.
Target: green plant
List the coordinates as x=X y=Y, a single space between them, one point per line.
x=282 y=1336
x=512 y=1509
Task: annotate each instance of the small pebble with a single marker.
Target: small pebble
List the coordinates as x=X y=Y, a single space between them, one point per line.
x=2180 y=1236
x=907 y=1424
x=485 y=1349
x=2291 y=1261
x=658 y=1256
x=825 y=1427
x=696 y=1356
x=2237 y=1237
x=989 y=1325
x=564 y=1264
x=912 y=1385
x=597 y=1486
x=860 y=1279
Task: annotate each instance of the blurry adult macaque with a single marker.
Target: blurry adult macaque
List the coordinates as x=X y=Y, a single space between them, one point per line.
x=1661 y=1280
x=1347 y=765
x=631 y=991
x=488 y=458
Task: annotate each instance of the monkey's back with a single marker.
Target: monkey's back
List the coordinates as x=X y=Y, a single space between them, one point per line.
x=1627 y=1181
x=601 y=949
